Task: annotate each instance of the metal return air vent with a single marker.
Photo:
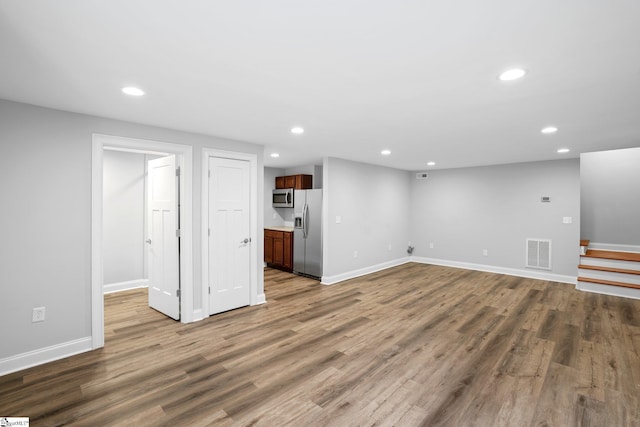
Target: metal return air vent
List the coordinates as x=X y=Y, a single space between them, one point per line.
x=539 y=253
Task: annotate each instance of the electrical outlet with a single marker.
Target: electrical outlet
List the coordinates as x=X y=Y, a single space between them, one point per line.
x=38 y=314
x=389 y=247
x=485 y=252
x=431 y=245
x=355 y=254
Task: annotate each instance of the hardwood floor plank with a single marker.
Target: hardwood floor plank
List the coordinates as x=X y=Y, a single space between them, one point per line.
x=411 y=345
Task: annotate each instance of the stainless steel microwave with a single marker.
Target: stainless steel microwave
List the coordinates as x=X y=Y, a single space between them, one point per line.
x=282 y=198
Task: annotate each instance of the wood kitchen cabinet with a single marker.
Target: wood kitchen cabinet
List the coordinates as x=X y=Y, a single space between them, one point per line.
x=287 y=251
x=278 y=249
x=268 y=247
x=299 y=182
x=280 y=182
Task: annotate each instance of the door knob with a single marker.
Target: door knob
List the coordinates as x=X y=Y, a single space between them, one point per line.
x=148 y=241
x=245 y=241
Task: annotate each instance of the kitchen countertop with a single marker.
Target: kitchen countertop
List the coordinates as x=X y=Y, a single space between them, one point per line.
x=280 y=228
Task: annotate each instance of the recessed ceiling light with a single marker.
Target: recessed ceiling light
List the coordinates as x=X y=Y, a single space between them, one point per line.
x=549 y=129
x=274 y=155
x=563 y=150
x=297 y=130
x=385 y=152
x=512 y=74
x=133 y=91
x=431 y=163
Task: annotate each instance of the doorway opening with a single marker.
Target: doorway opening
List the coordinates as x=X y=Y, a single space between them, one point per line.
x=182 y=155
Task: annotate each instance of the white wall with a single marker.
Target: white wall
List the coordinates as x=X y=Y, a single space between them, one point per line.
x=610 y=196
x=272 y=216
x=373 y=204
x=463 y=211
x=123 y=217
x=45 y=183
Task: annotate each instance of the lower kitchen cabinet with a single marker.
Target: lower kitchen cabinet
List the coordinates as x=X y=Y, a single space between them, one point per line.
x=287 y=251
x=278 y=249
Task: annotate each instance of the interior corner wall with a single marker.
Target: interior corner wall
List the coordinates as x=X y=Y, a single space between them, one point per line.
x=464 y=211
x=45 y=183
x=123 y=216
x=272 y=216
x=371 y=203
x=610 y=196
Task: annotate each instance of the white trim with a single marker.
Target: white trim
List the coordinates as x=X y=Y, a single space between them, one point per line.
x=324 y=231
x=125 y=286
x=184 y=156
x=256 y=237
x=616 y=291
x=332 y=280
x=97 y=268
x=614 y=247
x=198 y=315
x=540 y=275
x=44 y=355
x=136 y=151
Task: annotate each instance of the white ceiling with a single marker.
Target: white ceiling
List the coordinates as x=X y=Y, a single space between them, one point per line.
x=416 y=77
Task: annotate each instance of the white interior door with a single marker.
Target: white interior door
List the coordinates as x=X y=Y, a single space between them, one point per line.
x=164 y=274
x=229 y=238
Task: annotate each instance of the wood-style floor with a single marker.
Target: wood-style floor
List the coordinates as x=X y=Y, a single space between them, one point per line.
x=412 y=345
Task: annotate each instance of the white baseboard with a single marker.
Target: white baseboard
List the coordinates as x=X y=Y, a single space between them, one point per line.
x=332 y=280
x=261 y=299
x=616 y=291
x=125 y=286
x=44 y=355
x=197 y=315
x=529 y=274
x=614 y=247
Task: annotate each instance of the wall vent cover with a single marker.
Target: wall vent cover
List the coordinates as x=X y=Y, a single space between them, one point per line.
x=539 y=253
x=422 y=175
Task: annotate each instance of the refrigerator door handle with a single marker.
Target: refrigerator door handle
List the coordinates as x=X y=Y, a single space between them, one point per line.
x=305 y=220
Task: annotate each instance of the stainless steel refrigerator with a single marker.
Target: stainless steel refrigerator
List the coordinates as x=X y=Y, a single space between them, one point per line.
x=307 y=233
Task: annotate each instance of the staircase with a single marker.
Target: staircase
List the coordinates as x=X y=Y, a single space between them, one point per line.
x=609 y=272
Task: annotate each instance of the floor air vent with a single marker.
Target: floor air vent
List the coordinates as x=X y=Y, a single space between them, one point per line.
x=539 y=253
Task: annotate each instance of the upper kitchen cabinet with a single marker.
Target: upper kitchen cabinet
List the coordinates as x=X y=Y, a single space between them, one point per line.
x=299 y=182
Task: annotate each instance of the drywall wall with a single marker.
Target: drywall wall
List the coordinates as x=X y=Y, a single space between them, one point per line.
x=367 y=209
x=123 y=217
x=46 y=218
x=610 y=196
x=272 y=216
x=465 y=211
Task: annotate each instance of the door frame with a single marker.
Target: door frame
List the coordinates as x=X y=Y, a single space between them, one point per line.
x=184 y=158
x=257 y=297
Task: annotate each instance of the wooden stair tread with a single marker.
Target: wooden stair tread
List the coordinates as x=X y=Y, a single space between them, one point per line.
x=584 y=243
x=608 y=282
x=615 y=255
x=609 y=269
